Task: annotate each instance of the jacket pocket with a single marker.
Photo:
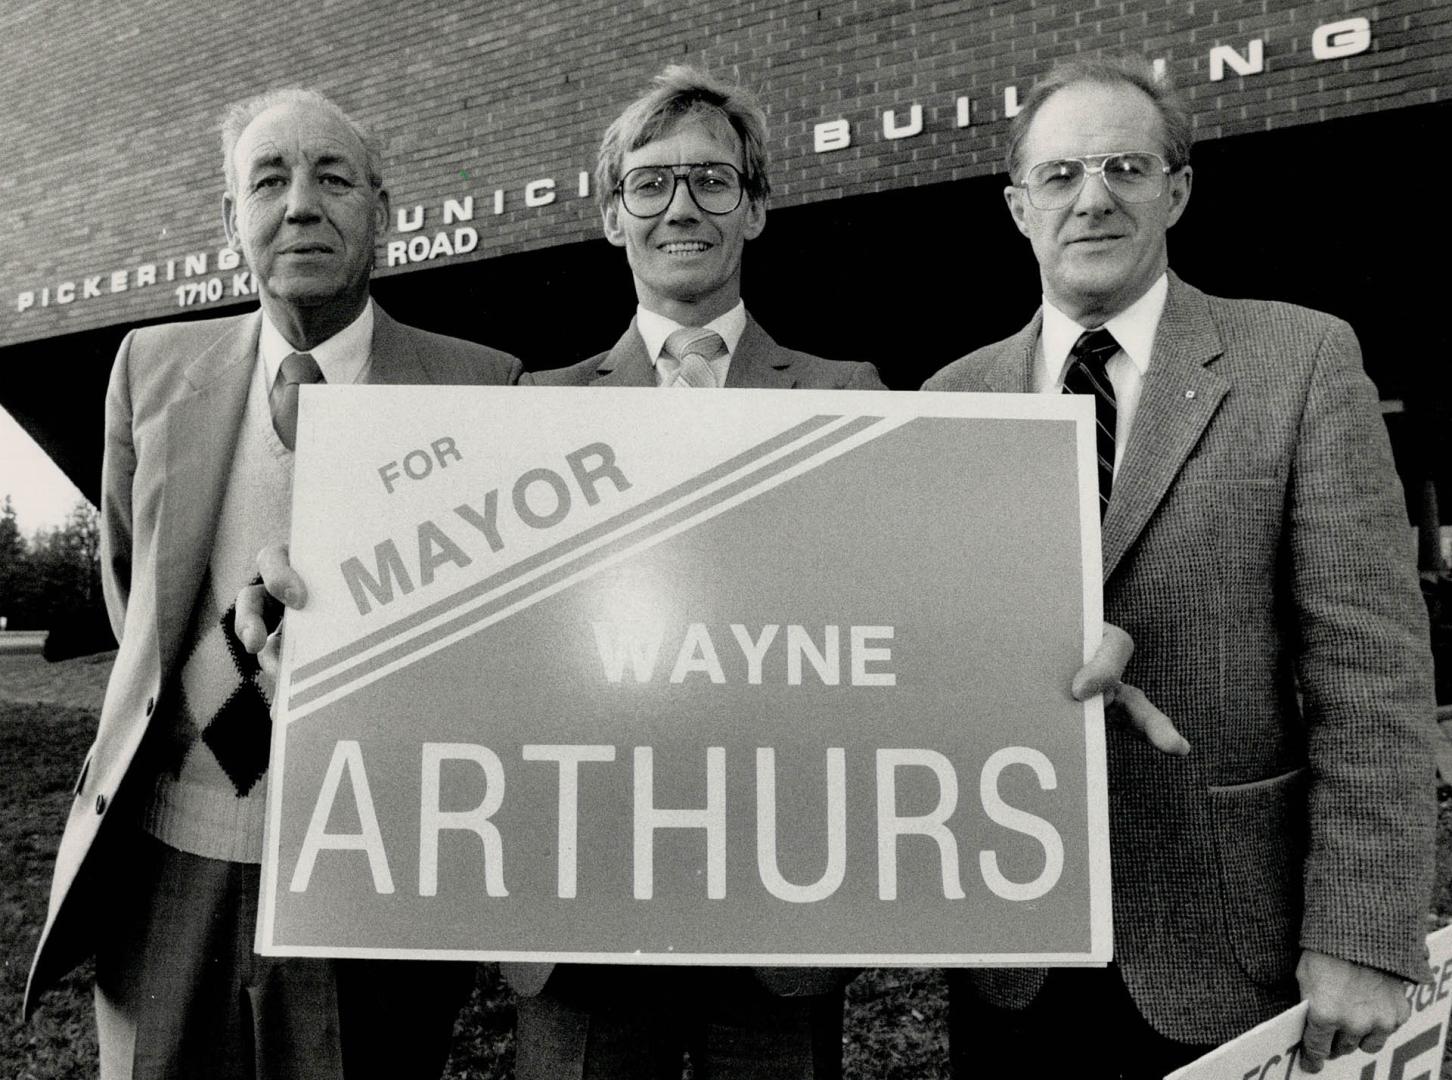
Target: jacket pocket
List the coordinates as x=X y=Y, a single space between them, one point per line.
x=1260 y=841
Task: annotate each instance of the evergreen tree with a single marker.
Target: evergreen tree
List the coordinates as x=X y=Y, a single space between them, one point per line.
x=66 y=562
x=16 y=585
x=53 y=581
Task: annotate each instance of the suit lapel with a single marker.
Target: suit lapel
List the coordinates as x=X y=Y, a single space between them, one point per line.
x=627 y=364
x=1012 y=369
x=759 y=361
x=1181 y=393
x=201 y=435
x=394 y=360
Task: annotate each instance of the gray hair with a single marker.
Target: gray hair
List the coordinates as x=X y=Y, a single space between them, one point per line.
x=1131 y=70
x=239 y=114
x=685 y=93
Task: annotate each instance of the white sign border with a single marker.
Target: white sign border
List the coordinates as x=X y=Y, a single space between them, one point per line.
x=847 y=402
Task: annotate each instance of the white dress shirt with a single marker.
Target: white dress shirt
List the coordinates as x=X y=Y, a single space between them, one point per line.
x=656 y=328
x=1134 y=328
x=343 y=358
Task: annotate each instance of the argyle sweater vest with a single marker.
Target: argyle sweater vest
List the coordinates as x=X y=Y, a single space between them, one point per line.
x=213 y=742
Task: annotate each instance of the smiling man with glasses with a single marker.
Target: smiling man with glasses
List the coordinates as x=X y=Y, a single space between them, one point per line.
x=681 y=177
x=682 y=182
x=1256 y=548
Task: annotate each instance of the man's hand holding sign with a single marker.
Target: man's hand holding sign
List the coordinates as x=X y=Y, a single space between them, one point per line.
x=1407 y=1044
x=1349 y=1007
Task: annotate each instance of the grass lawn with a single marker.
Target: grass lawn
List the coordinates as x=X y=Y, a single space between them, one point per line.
x=41 y=747
x=895 y=1024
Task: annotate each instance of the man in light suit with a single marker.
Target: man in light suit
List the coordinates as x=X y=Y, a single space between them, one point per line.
x=1256 y=548
x=157 y=874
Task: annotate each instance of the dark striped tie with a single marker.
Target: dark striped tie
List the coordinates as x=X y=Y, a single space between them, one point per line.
x=1087 y=375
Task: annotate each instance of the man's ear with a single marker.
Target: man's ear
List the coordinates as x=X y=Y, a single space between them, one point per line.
x=610 y=219
x=755 y=218
x=1016 y=206
x=1179 y=193
x=229 y=222
x=380 y=211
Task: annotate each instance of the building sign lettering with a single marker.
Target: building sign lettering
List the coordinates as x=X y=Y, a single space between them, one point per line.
x=202 y=277
x=1330 y=41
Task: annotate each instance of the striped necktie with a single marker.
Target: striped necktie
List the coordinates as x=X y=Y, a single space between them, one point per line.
x=686 y=359
x=1087 y=375
x=297 y=368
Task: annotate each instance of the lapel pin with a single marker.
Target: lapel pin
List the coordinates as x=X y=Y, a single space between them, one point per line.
x=1189 y=395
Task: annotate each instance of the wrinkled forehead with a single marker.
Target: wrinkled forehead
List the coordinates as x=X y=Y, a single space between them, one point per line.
x=702 y=134
x=297 y=135
x=1093 y=118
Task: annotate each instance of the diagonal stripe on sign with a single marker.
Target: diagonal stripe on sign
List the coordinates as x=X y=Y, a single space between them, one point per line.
x=540 y=558
x=537 y=588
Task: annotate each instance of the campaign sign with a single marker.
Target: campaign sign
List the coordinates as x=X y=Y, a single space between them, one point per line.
x=738 y=676
x=1272 y=1051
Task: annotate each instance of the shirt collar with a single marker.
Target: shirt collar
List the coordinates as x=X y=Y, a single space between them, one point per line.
x=343 y=357
x=655 y=328
x=1133 y=328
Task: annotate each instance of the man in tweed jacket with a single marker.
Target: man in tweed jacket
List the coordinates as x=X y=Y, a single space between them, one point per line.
x=1256 y=549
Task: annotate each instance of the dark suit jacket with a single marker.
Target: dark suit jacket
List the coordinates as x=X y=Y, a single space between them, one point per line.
x=1257 y=549
x=757 y=362
x=173 y=409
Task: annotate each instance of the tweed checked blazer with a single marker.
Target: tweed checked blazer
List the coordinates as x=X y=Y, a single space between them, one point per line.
x=759 y=362
x=173 y=409
x=1257 y=549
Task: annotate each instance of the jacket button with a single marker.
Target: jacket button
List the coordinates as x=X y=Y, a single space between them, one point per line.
x=150 y=705
x=100 y=804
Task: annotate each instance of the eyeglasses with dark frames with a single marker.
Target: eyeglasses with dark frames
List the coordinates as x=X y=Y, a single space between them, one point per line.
x=647 y=190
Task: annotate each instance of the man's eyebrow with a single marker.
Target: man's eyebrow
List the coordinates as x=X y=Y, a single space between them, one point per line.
x=270 y=160
x=276 y=159
x=333 y=161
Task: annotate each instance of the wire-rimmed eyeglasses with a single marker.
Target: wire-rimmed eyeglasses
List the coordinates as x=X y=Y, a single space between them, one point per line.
x=1132 y=176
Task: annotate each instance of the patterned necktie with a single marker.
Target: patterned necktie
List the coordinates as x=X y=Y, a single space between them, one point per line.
x=1087 y=375
x=297 y=368
x=686 y=359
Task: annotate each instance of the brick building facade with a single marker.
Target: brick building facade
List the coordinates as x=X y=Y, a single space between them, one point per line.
x=1307 y=116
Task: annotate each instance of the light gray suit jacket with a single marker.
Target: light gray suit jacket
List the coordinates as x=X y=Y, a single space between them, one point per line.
x=1257 y=549
x=760 y=362
x=173 y=409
